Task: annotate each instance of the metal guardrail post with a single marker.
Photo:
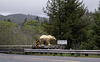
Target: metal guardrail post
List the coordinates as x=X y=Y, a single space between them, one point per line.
x=86 y=54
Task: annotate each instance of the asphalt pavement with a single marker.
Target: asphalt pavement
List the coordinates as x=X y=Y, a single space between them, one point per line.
x=32 y=58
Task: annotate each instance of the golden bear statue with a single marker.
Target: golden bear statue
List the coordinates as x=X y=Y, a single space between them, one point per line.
x=46 y=39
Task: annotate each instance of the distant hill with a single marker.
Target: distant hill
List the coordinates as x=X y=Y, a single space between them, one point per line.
x=20 y=18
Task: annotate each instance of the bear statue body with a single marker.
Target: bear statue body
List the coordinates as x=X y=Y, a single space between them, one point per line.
x=46 y=39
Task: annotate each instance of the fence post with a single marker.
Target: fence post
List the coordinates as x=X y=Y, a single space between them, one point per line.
x=86 y=54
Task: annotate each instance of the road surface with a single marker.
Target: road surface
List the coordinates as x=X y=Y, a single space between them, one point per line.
x=31 y=58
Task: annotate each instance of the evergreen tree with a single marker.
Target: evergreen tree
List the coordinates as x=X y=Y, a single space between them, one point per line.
x=96 y=28
x=93 y=33
x=37 y=18
x=23 y=23
x=9 y=20
x=67 y=21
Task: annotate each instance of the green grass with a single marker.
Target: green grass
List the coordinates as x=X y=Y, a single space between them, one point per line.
x=10 y=52
x=58 y=54
x=93 y=56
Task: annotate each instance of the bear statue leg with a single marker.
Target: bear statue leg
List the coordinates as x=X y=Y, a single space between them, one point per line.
x=48 y=43
x=42 y=43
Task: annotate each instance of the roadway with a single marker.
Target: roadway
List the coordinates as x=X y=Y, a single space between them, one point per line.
x=31 y=58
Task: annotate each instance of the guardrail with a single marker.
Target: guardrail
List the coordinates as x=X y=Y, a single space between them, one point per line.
x=22 y=49
x=86 y=52
x=15 y=46
x=11 y=50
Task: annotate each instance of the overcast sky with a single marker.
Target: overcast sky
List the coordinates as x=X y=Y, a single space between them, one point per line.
x=34 y=7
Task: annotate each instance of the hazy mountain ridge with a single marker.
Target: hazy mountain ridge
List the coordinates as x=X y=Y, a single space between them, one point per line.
x=20 y=18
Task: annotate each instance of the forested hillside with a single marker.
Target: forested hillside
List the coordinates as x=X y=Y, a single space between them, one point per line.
x=20 y=18
x=20 y=29
x=13 y=34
